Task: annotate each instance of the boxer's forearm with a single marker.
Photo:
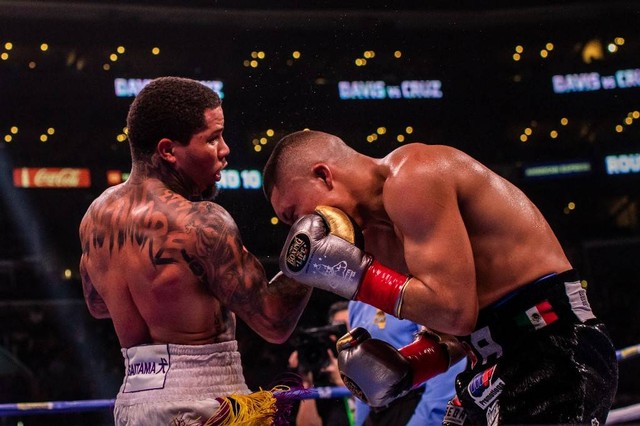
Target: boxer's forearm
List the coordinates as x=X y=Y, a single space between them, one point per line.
x=283 y=303
x=443 y=310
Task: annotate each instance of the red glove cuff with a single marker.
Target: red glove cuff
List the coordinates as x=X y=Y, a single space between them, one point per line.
x=382 y=287
x=427 y=358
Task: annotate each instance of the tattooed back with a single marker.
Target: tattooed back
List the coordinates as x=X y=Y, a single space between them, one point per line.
x=160 y=265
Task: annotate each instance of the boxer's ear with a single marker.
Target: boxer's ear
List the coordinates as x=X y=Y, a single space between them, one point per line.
x=323 y=172
x=165 y=150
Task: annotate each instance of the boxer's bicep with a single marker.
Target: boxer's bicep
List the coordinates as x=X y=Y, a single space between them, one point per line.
x=237 y=278
x=227 y=268
x=438 y=254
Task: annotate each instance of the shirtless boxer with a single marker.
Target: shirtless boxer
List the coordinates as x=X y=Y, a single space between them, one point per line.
x=167 y=265
x=456 y=248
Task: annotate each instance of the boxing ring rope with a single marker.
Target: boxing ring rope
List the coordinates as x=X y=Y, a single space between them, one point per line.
x=616 y=416
x=52 y=407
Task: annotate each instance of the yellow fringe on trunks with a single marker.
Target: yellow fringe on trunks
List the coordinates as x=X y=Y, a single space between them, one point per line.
x=258 y=409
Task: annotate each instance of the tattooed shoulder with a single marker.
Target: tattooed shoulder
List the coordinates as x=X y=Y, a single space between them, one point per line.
x=213 y=229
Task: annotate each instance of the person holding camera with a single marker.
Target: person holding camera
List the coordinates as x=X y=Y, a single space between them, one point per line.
x=315 y=360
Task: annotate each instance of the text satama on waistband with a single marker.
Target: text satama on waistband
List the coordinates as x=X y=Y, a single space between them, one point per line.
x=146 y=368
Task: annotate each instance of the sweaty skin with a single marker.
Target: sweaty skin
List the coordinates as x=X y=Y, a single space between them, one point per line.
x=465 y=234
x=169 y=270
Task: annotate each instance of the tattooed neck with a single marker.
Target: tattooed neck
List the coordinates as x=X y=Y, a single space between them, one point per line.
x=159 y=169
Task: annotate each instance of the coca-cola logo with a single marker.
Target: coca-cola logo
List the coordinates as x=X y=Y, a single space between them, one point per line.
x=50 y=177
x=59 y=178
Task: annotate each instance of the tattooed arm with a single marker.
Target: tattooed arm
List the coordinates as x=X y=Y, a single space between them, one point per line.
x=95 y=302
x=238 y=279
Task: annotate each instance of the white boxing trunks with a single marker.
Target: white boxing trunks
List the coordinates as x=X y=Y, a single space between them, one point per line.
x=177 y=384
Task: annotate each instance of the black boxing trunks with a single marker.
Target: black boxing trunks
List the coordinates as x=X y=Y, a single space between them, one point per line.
x=540 y=356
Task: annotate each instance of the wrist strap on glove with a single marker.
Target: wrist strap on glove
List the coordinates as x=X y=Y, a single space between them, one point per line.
x=383 y=288
x=427 y=358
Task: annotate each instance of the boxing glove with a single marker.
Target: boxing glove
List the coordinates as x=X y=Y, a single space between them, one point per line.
x=324 y=250
x=377 y=373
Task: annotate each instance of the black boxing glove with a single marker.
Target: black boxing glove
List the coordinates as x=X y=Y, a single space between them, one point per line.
x=324 y=250
x=377 y=373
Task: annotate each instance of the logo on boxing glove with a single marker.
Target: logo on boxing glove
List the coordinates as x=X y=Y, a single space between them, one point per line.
x=298 y=252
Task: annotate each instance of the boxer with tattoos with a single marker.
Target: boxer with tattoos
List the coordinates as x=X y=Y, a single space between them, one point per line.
x=167 y=265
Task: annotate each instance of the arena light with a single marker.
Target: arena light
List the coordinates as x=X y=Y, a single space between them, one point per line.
x=8 y=45
x=44 y=47
x=591 y=51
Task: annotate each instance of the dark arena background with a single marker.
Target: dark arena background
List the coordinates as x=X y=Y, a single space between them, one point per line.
x=546 y=93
